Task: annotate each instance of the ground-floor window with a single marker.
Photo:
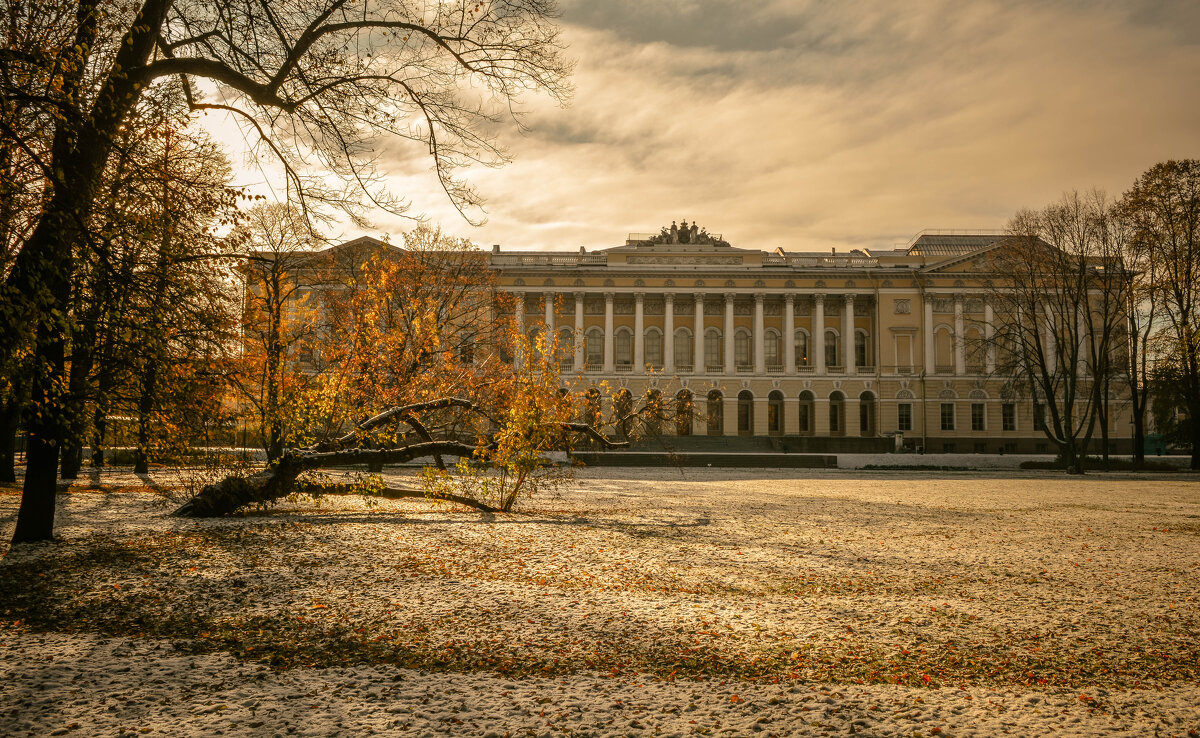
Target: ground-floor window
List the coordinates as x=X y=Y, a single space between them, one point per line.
x=947 y=416
x=745 y=413
x=804 y=417
x=1008 y=416
x=978 y=415
x=1039 y=416
x=716 y=414
x=904 y=416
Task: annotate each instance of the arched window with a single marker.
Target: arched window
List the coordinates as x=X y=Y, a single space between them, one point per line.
x=805 y=426
x=943 y=349
x=741 y=349
x=591 y=407
x=623 y=347
x=653 y=417
x=975 y=350
x=683 y=413
x=566 y=346
x=716 y=413
x=801 y=343
x=775 y=412
x=622 y=407
x=683 y=347
x=712 y=348
x=466 y=349
x=831 y=348
x=654 y=352
x=594 y=346
x=867 y=412
x=837 y=402
x=745 y=413
x=861 y=349
x=534 y=335
x=772 y=348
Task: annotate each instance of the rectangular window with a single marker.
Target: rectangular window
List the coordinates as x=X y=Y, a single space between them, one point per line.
x=978 y=414
x=904 y=416
x=947 y=416
x=1039 y=416
x=803 y=417
x=1008 y=416
x=835 y=416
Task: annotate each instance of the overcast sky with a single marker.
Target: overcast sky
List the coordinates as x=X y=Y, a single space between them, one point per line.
x=818 y=125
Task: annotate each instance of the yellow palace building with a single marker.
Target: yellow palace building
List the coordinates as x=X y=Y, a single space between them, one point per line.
x=873 y=350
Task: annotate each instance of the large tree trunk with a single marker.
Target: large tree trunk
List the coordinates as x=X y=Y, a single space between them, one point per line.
x=35 y=519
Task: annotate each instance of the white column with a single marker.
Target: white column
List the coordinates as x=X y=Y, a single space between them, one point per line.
x=789 y=334
x=669 y=333
x=639 y=330
x=579 y=335
x=960 y=338
x=549 y=297
x=608 y=333
x=848 y=357
x=927 y=333
x=818 y=335
x=698 y=335
x=760 y=346
x=519 y=357
x=989 y=332
x=729 y=367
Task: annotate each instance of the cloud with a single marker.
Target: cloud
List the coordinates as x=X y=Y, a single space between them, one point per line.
x=848 y=125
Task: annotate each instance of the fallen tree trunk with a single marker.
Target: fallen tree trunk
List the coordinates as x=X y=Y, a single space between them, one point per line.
x=279 y=479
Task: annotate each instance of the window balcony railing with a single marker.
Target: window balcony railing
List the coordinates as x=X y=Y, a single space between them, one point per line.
x=745 y=368
x=834 y=369
x=866 y=369
x=683 y=368
x=902 y=369
x=805 y=369
x=595 y=367
x=566 y=366
x=624 y=368
x=714 y=369
x=774 y=368
x=943 y=368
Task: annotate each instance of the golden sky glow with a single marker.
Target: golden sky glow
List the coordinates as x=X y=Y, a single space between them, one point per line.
x=842 y=124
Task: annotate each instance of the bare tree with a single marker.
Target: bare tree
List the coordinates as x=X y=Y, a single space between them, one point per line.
x=1165 y=207
x=1054 y=318
x=319 y=81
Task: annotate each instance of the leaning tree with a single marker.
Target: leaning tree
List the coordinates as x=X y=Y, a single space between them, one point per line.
x=317 y=80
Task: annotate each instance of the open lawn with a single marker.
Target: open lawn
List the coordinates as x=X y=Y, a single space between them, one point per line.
x=645 y=601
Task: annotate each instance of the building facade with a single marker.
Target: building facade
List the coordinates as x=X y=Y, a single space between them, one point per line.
x=866 y=351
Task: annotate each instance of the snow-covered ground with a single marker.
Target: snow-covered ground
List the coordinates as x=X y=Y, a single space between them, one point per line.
x=645 y=601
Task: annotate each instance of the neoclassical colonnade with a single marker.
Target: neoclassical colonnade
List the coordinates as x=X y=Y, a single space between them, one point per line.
x=846 y=350
x=762 y=358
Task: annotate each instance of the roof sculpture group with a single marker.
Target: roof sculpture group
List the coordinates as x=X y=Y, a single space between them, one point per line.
x=685 y=233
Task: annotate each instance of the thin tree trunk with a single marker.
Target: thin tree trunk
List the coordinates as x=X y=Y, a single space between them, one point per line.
x=99 y=428
x=141 y=462
x=1139 y=438
x=10 y=420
